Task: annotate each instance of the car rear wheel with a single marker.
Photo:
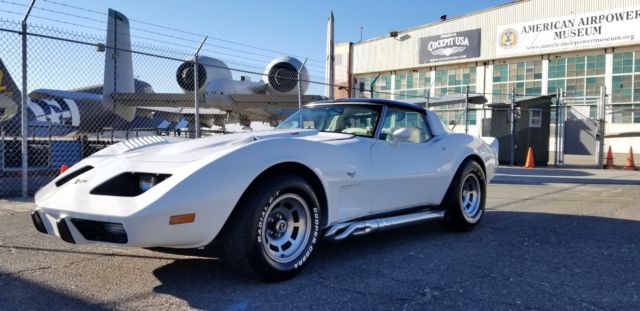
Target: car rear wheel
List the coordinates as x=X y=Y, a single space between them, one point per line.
x=274 y=229
x=466 y=197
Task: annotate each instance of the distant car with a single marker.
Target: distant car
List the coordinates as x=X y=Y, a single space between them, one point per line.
x=333 y=169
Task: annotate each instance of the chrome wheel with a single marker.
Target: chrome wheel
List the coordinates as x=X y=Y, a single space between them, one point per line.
x=286 y=228
x=471 y=196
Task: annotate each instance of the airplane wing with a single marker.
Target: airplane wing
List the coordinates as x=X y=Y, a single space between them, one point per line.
x=222 y=102
x=208 y=116
x=59 y=94
x=255 y=107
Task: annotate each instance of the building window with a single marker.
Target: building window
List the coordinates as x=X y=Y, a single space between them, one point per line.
x=381 y=86
x=581 y=78
x=625 y=87
x=412 y=84
x=526 y=77
x=454 y=81
x=535 y=118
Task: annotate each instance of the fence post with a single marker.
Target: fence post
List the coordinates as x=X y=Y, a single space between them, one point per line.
x=196 y=103
x=562 y=119
x=300 y=84
x=512 y=118
x=466 y=110
x=427 y=102
x=557 y=140
x=23 y=109
x=601 y=128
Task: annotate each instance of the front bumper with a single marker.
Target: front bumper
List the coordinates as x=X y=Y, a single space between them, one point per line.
x=75 y=230
x=148 y=230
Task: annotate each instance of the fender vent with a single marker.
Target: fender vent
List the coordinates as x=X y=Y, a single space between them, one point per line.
x=140 y=142
x=65 y=179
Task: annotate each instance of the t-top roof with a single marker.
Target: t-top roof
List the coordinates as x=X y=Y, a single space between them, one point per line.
x=387 y=102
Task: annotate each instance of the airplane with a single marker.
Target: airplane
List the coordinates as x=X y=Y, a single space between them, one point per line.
x=125 y=103
x=274 y=97
x=59 y=113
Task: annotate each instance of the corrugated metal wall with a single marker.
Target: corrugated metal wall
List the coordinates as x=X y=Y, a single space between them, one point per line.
x=385 y=54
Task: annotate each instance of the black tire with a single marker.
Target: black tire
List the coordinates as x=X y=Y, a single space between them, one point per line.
x=253 y=238
x=462 y=214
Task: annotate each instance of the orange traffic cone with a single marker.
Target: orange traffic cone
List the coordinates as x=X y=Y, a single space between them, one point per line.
x=63 y=168
x=529 y=162
x=630 y=162
x=609 y=164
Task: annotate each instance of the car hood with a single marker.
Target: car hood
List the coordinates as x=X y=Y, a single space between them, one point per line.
x=179 y=150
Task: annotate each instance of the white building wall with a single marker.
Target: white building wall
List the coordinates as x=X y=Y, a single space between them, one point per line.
x=386 y=54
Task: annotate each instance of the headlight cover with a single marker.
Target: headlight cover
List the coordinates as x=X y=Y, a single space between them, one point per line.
x=129 y=184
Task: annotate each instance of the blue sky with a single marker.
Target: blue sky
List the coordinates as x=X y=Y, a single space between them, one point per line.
x=293 y=27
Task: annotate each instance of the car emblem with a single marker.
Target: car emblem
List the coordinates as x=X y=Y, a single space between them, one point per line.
x=79 y=181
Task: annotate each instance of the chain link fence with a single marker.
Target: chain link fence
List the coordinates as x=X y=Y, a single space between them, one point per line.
x=85 y=91
x=88 y=89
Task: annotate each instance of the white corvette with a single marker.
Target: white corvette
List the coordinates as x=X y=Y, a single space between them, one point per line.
x=331 y=170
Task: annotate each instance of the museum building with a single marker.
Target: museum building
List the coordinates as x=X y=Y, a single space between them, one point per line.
x=534 y=47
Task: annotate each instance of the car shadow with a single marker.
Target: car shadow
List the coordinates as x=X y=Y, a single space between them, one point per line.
x=17 y=293
x=512 y=260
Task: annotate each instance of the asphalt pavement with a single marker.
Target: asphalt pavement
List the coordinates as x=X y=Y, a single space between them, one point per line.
x=551 y=240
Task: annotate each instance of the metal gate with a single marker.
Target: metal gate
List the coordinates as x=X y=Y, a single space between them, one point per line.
x=580 y=130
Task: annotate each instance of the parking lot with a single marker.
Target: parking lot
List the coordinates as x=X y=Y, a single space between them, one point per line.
x=551 y=239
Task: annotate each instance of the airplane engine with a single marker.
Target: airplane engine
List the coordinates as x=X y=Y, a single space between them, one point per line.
x=209 y=70
x=282 y=76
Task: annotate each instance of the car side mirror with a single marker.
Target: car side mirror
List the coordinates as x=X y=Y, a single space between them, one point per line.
x=401 y=134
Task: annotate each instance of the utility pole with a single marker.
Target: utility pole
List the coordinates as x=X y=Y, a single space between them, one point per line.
x=24 y=131
x=330 y=59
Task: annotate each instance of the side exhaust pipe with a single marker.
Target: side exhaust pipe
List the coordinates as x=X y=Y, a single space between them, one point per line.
x=342 y=231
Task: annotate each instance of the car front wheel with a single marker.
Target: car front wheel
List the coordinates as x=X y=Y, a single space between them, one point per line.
x=274 y=229
x=466 y=197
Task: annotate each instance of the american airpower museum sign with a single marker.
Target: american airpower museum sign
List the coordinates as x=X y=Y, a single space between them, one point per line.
x=577 y=31
x=451 y=46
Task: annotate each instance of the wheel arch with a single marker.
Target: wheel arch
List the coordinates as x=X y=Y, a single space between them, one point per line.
x=469 y=157
x=477 y=158
x=298 y=169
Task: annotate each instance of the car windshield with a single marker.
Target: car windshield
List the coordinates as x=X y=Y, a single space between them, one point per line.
x=360 y=120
